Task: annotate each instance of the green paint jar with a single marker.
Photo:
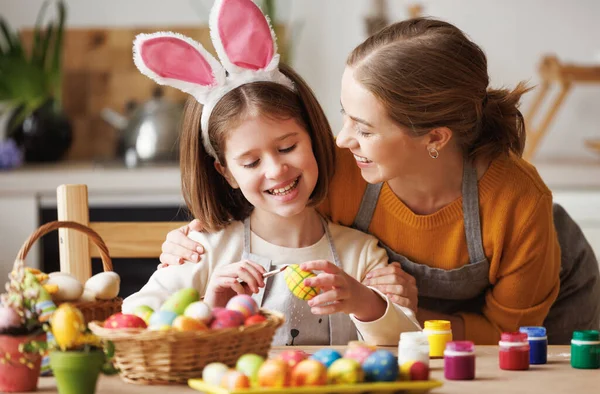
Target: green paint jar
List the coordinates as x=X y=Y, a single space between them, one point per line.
x=585 y=349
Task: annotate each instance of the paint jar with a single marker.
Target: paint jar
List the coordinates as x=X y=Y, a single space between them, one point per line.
x=538 y=344
x=413 y=346
x=514 y=351
x=459 y=360
x=585 y=349
x=439 y=332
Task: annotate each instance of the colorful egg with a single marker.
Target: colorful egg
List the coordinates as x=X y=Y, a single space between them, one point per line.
x=345 y=371
x=292 y=357
x=162 y=319
x=359 y=351
x=414 y=370
x=309 y=373
x=184 y=323
x=121 y=320
x=213 y=373
x=9 y=318
x=233 y=380
x=294 y=278
x=67 y=324
x=144 y=312
x=274 y=373
x=381 y=366
x=326 y=356
x=200 y=311
x=249 y=364
x=227 y=319
x=180 y=300
x=254 y=320
x=244 y=304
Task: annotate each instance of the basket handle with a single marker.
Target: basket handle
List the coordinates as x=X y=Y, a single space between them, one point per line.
x=51 y=226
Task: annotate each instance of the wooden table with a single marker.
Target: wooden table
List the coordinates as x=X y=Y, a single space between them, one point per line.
x=555 y=377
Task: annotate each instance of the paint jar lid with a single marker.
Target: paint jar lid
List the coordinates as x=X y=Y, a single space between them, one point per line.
x=460 y=346
x=586 y=335
x=534 y=332
x=437 y=325
x=513 y=337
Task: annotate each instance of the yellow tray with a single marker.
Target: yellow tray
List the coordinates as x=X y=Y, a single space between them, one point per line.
x=379 y=387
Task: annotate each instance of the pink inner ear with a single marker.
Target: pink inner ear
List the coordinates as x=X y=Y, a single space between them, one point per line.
x=172 y=58
x=245 y=34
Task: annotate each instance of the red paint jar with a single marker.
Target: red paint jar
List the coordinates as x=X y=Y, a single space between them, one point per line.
x=514 y=351
x=459 y=360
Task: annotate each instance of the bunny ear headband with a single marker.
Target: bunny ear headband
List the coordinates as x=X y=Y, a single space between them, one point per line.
x=244 y=41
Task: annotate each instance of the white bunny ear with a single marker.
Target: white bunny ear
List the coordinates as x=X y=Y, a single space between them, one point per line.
x=175 y=60
x=242 y=36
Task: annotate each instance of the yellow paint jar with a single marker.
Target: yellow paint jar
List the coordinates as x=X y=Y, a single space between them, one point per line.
x=439 y=332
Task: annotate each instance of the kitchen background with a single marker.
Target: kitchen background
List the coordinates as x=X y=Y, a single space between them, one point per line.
x=99 y=82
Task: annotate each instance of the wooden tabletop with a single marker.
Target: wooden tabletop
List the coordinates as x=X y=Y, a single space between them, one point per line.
x=555 y=377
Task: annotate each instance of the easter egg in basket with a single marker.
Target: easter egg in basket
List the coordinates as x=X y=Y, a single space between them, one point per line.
x=200 y=311
x=227 y=319
x=244 y=304
x=184 y=323
x=294 y=278
x=180 y=300
x=121 y=320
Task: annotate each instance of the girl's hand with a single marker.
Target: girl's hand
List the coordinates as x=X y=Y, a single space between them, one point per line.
x=178 y=247
x=399 y=286
x=244 y=277
x=341 y=293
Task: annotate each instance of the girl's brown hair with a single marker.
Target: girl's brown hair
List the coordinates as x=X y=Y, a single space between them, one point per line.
x=207 y=194
x=428 y=74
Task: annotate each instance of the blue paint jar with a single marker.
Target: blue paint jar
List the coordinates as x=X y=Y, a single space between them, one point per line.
x=538 y=344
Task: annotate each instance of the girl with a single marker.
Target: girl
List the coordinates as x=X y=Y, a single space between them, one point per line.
x=257 y=155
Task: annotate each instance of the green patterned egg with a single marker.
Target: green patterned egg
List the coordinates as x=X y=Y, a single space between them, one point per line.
x=294 y=278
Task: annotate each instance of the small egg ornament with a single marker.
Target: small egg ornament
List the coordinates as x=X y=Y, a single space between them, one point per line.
x=294 y=278
x=67 y=324
x=249 y=364
x=233 y=380
x=309 y=372
x=326 y=356
x=213 y=373
x=414 y=370
x=244 y=304
x=200 y=311
x=359 y=351
x=381 y=366
x=345 y=371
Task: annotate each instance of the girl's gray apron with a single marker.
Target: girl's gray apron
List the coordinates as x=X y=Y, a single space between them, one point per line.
x=301 y=326
x=463 y=289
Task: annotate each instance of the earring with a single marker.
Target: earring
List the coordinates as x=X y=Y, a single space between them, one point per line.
x=433 y=153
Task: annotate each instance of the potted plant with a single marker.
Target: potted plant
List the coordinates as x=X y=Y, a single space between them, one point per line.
x=23 y=309
x=30 y=87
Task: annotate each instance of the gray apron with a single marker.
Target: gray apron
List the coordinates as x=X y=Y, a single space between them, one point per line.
x=306 y=328
x=463 y=289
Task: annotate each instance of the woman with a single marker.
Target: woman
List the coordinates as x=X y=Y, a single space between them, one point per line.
x=431 y=165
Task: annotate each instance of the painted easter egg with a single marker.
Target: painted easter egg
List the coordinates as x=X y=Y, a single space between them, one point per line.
x=326 y=356
x=292 y=357
x=359 y=351
x=144 y=312
x=104 y=286
x=294 y=278
x=68 y=288
x=227 y=319
x=345 y=371
x=67 y=324
x=414 y=370
x=213 y=373
x=180 y=300
x=381 y=366
x=233 y=380
x=249 y=364
x=121 y=320
x=200 y=311
x=9 y=318
x=161 y=320
x=244 y=304
x=254 y=320
x=309 y=373
x=274 y=373
x=184 y=323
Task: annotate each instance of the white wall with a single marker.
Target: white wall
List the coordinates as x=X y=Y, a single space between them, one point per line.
x=514 y=34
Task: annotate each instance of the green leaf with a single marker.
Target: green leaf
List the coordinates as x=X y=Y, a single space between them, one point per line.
x=40 y=43
x=56 y=62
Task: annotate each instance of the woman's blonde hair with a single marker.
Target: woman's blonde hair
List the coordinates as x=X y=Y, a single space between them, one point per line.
x=207 y=194
x=428 y=74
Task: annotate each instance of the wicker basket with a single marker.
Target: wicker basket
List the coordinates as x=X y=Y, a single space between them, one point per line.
x=91 y=310
x=173 y=357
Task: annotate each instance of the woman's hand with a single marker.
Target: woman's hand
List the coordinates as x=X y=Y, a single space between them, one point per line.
x=341 y=293
x=399 y=286
x=178 y=247
x=244 y=277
